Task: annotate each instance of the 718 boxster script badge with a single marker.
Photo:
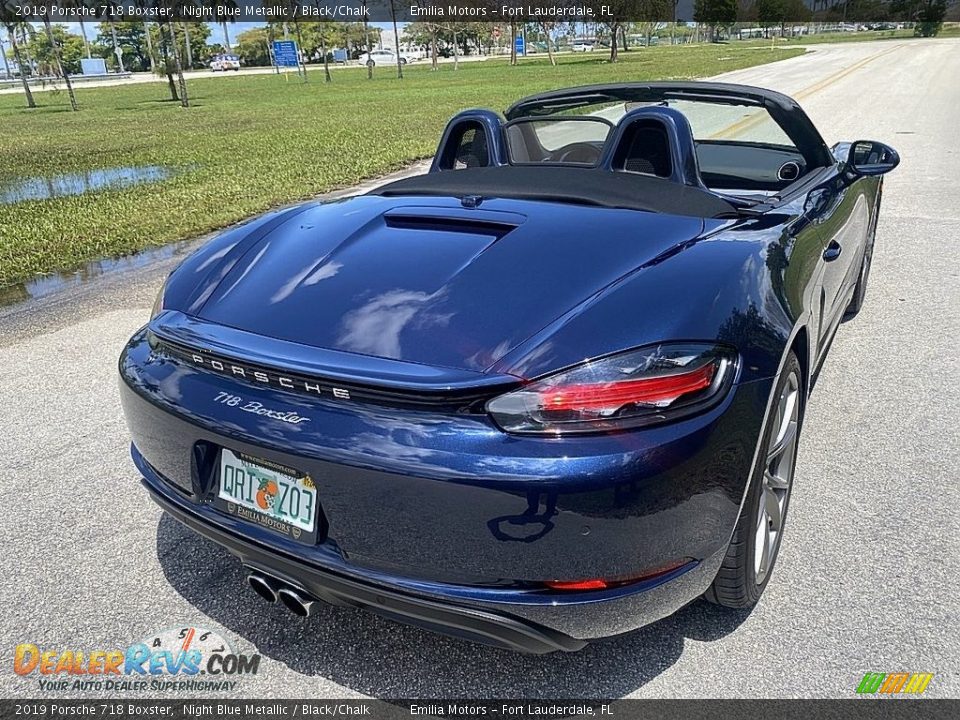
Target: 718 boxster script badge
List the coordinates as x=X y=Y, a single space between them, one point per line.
x=252 y=406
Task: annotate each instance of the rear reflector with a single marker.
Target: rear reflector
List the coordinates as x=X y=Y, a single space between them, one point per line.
x=577 y=585
x=601 y=584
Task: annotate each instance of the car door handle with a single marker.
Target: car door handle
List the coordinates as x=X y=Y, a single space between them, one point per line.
x=833 y=251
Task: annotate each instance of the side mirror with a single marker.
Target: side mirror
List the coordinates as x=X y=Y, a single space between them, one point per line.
x=867 y=158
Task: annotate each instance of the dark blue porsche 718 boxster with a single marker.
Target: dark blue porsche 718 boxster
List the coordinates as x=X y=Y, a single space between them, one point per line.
x=547 y=392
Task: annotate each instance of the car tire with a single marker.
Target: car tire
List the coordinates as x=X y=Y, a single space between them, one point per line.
x=752 y=553
x=371 y=63
x=403 y=61
x=860 y=291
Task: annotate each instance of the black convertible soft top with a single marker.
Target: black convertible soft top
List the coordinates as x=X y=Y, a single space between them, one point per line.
x=589 y=186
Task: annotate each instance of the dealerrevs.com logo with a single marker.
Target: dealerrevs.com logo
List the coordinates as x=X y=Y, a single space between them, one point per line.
x=894 y=683
x=179 y=659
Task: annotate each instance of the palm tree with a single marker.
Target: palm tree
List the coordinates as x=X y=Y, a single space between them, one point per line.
x=81 y=5
x=16 y=56
x=149 y=41
x=323 y=48
x=230 y=5
x=396 y=41
x=172 y=40
x=167 y=62
x=116 y=48
x=302 y=67
x=24 y=33
x=6 y=65
x=546 y=31
x=186 y=42
x=55 y=47
x=270 y=40
x=86 y=42
x=366 y=35
x=456 y=48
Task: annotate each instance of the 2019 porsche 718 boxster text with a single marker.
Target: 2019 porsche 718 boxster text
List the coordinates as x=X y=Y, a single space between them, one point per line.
x=549 y=391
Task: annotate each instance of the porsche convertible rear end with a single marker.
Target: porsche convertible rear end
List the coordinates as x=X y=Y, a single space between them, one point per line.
x=404 y=496
x=549 y=391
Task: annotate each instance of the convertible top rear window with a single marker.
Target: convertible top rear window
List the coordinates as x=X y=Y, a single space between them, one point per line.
x=583 y=185
x=570 y=140
x=784 y=112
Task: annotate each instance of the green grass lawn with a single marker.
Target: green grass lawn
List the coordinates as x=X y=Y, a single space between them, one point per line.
x=254 y=142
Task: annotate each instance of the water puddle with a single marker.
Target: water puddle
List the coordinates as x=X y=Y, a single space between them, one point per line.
x=44 y=188
x=48 y=284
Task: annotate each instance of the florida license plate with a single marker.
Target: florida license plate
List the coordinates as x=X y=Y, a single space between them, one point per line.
x=267 y=494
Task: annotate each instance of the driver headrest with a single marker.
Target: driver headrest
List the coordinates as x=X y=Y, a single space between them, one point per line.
x=656 y=140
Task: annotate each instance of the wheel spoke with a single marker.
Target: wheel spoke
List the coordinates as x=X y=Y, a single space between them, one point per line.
x=772 y=538
x=787 y=435
x=775 y=482
x=765 y=548
x=759 y=542
x=772 y=509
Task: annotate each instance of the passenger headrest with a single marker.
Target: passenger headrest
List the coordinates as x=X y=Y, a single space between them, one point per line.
x=473 y=138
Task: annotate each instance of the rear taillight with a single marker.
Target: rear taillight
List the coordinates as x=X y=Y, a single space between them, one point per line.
x=640 y=387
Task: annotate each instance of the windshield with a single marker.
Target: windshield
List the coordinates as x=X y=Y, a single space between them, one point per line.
x=569 y=140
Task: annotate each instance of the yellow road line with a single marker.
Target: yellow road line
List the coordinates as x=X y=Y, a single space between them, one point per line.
x=731 y=131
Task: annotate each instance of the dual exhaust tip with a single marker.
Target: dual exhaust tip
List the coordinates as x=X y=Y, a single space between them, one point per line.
x=272 y=590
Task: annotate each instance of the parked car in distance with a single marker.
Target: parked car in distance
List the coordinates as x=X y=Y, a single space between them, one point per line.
x=413 y=54
x=582 y=47
x=387 y=57
x=222 y=63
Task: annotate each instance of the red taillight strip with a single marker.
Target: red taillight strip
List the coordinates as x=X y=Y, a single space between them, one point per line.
x=595 y=396
x=577 y=585
x=601 y=584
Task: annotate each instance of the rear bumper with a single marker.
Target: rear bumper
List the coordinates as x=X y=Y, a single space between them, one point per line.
x=449 y=522
x=482 y=625
x=522 y=621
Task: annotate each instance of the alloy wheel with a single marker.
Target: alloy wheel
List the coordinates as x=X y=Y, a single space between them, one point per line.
x=777 y=478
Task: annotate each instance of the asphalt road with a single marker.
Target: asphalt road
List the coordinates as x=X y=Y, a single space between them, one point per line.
x=866 y=580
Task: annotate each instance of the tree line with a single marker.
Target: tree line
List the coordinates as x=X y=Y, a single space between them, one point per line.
x=169 y=48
